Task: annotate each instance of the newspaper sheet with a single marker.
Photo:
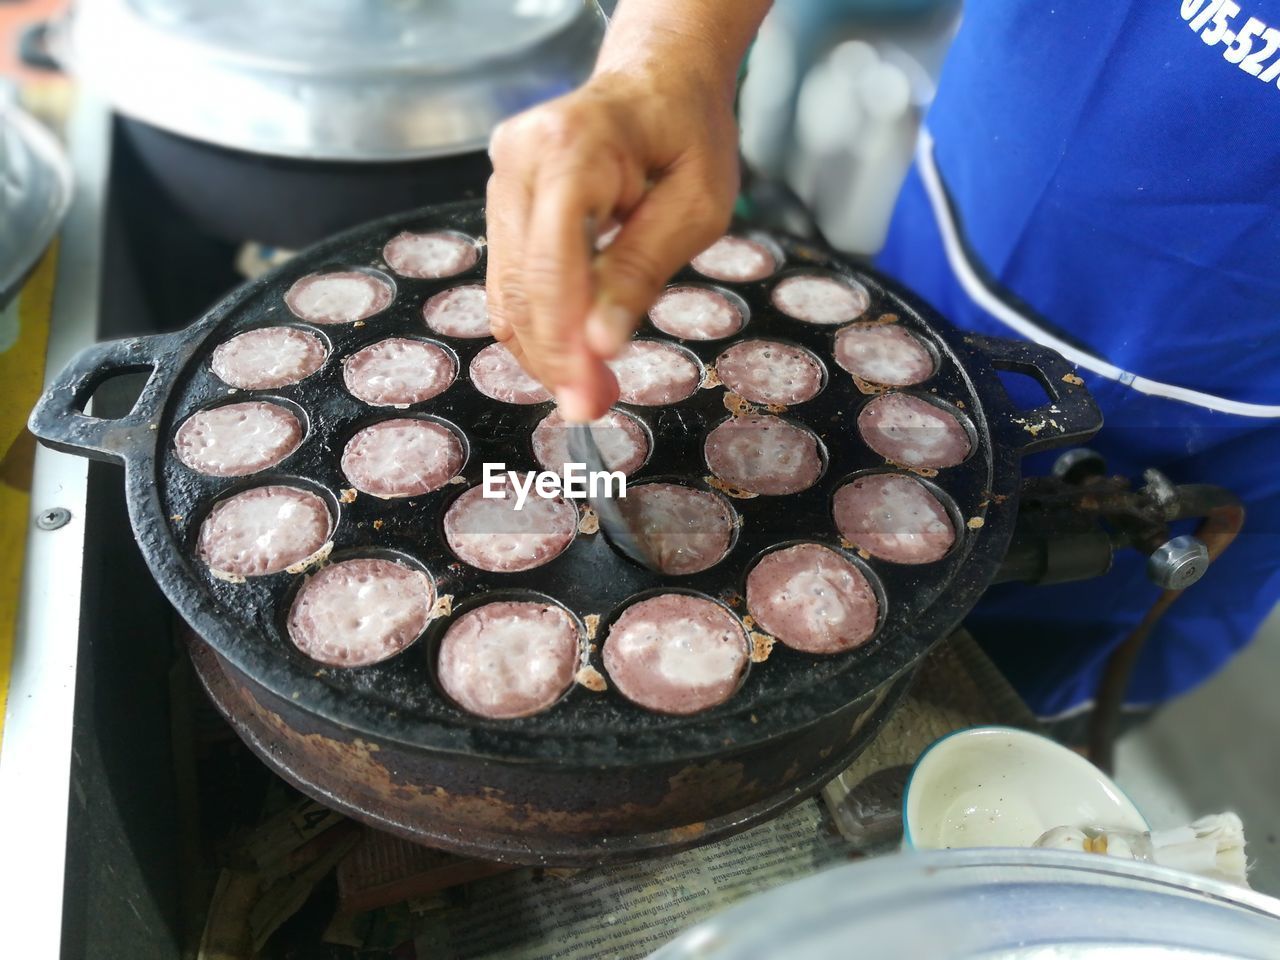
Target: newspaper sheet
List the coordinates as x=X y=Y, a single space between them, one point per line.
x=626 y=912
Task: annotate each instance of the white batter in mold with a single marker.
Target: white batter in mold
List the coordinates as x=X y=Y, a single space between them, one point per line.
x=399 y=371
x=676 y=653
x=358 y=612
x=913 y=432
x=491 y=534
x=461 y=312
x=764 y=455
x=430 y=256
x=683 y=530
x=237 y=439
x=498 y=375
x=402 y=458
x=736 y=260
x=652 y=374
x=696 y=313
x=622 y=441
x=339 y=297
x=883 y=353
x=765 y=371
x=819 y=299
x=893 y=517
x=268 y=358
x=509 y=659
x=812 y=599
x=264 y=530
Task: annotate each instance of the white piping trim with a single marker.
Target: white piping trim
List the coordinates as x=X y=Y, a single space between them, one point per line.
x=1088 y=705
x=1066 y=714
x=979 y=293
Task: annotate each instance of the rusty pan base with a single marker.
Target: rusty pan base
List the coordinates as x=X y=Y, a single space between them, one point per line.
x=531 y=814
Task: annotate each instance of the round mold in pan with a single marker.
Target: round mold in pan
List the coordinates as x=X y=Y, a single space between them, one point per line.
x=759 y=237
x=438 y=302
x=735 y=519
x=858 y=562
x=855 y=285
x=875 y=386
x=314 y=329
x=734 y=301
x=608 y=621
x=376 y=415
x=383 y=282
x=439 y=626
x=421 y=338
x=190 y=524
x=376 y=553
x=477 y=249
x=738 y=491
x=764 y=343
x=272 y=397
x=396 y=701
x=944 y=499
x=955 y=411
x=631 y=415
x=674 y=346
x=564 y=510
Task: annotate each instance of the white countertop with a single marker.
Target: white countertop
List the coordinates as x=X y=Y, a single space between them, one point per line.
x=35 y=754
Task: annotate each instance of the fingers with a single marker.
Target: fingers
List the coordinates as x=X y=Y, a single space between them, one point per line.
x=557 y=267
x=560 y=172
x=584 y=401
x=557 y=176
x=680 y=216
x=590 y=397
x=575 y=189
x=506 y=211
x=507 y=203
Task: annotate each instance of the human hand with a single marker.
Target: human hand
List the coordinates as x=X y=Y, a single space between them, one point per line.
x=653 y=148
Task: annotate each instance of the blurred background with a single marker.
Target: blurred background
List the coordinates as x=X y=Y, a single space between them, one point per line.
x=832 y=101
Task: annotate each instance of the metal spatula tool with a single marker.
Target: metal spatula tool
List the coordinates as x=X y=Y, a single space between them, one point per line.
x=613 y=521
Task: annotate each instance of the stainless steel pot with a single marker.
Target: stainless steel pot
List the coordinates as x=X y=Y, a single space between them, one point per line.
x=333 y=80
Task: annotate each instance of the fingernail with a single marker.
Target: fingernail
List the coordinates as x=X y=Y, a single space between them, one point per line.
x=608 y=328
x=575 y=404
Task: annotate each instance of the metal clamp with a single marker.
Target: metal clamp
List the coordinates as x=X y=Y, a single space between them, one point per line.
x=1071 y=524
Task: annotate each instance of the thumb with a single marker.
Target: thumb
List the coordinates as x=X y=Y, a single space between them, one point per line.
x=676 y=220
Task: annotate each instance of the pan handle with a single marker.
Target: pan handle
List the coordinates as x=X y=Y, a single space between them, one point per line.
x=1069 y=418
x=58 y=420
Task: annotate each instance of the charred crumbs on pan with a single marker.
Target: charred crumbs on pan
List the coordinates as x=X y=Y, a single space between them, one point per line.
x=789 y=496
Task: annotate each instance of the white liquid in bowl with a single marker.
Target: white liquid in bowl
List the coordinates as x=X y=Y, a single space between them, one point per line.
x=1000 y=787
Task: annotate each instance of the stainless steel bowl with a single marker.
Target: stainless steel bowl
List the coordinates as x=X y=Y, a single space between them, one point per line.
x=35 y=191
x=1005 y=904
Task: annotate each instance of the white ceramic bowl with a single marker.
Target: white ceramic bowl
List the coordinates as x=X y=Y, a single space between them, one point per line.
x=1003 y=787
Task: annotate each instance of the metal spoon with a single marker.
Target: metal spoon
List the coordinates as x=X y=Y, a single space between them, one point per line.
x=583 y=449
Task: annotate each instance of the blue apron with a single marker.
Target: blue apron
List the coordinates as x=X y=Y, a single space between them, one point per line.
x=1104 y=177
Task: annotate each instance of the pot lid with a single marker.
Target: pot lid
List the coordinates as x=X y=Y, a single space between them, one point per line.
x=1009 y=904
x=35 y=191
x=344 y=80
